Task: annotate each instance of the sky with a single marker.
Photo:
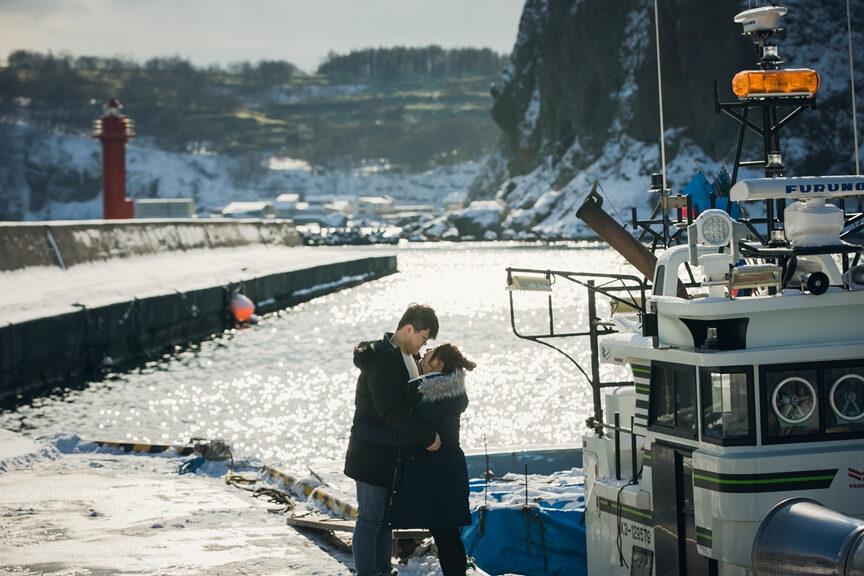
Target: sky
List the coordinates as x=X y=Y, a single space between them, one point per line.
x=223 y=31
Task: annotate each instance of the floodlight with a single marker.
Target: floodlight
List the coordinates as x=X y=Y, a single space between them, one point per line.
x=714 y=227
x=529 y=283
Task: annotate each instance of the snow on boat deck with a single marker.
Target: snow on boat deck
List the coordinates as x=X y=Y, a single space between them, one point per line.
x=43 y=291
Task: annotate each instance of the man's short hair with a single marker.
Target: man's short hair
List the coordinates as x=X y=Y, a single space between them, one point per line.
x=421 y=317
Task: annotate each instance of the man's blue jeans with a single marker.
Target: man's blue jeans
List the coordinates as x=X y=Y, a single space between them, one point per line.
x=373 y=538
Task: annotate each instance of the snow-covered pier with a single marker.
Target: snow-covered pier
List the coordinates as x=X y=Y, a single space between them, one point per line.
x=70 y=508
x=101 y=295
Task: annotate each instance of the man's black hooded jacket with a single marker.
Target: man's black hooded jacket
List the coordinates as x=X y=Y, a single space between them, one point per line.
x=382 y=398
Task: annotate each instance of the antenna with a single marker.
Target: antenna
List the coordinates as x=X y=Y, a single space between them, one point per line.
x=662 y=129
x=852 y=83
x=486 y=475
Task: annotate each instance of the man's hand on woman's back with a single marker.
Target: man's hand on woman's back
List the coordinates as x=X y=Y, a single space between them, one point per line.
x=435 y=445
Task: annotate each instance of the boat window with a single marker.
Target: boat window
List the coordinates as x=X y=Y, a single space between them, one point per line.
x=687 y=506
x=658 y=280
x=685 y=401
x=792 y=400
x=727 y=411
x=664 y=401
x=844 y=390
x=813 y=402
x=672 y=402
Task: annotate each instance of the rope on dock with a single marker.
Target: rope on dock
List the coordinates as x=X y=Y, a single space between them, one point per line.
x=180 y=449
x=308 y=489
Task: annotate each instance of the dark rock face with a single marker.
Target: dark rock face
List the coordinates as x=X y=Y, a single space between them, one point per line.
x=580 y=96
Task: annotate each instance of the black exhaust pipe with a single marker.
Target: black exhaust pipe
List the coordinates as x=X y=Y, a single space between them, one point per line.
x=591 y=212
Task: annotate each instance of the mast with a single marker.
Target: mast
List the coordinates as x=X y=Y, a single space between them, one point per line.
x=662 y=129
x=852 y=84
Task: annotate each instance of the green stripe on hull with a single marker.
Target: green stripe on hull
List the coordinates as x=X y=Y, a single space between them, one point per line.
x=643 y=371
x=770 y=482
x=629 y=512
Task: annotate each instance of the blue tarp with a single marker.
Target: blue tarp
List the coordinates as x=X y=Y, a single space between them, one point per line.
x=547 y=538
x=699 y=189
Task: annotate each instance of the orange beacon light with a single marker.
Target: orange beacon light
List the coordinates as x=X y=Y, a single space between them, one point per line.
x=762 y=83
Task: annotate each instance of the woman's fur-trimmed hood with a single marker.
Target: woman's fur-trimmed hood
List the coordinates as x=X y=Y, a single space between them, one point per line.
x=438 y=386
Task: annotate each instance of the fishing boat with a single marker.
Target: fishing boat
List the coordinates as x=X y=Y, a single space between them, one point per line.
x=738 y=445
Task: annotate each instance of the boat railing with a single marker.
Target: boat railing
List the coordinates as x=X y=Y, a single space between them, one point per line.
x=616 y=418
x=622 y=289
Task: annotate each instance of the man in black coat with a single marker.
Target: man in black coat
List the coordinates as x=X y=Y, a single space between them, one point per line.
x=381 y=401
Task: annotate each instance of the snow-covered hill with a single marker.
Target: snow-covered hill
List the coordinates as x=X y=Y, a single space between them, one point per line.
x=58 y=176
x=578 y=102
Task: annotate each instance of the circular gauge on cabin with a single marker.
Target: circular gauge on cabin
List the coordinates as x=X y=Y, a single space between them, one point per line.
x=847 y=397
x=715 y=227
x=794 y=400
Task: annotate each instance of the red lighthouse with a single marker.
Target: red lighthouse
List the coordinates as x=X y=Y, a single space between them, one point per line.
x=113 y=130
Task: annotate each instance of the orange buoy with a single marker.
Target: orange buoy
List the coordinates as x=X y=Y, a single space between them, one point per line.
x=242 y=307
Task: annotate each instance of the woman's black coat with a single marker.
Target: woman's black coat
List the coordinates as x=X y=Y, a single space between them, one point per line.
x=431 y=488
x=382 y=402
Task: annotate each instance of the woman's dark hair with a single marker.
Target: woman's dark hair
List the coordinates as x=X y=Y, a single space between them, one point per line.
x=421 y=317
x=452 y=358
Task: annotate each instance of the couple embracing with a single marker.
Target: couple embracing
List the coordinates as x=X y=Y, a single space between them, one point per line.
x=403 y=452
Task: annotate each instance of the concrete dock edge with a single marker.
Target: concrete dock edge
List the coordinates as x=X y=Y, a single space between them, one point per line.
x=69 y=243
x=67 y=348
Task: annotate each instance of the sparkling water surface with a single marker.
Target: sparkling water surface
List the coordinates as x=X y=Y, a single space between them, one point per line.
x=283 y=391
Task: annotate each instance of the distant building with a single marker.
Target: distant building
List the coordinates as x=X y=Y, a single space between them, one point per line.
x=453 y=201
x=407 y=213
x=418 y=208
x=320 y=199
x=323 y=214
x=343 y=206
x=286 y=204
x=164 y=208
x=372 y=207
x=249 y=210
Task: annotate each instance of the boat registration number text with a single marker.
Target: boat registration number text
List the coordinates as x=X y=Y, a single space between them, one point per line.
x=637 y=532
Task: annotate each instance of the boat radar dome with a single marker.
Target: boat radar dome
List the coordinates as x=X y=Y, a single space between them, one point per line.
x=763 y=19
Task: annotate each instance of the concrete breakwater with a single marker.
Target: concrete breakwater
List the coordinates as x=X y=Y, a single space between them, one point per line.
x=83 y=297
x=67 y=347
x=68 y=243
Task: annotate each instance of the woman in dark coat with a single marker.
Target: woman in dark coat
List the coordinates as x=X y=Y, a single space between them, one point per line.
x=430 y=489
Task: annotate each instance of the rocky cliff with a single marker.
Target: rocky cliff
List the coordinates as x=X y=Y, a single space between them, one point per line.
x=578 y=102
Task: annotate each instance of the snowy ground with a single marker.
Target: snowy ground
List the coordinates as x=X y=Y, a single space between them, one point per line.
x=83 y=512
x=45 y=291
x=71 y=509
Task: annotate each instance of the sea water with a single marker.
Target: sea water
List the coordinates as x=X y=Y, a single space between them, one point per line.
x=283 y=391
